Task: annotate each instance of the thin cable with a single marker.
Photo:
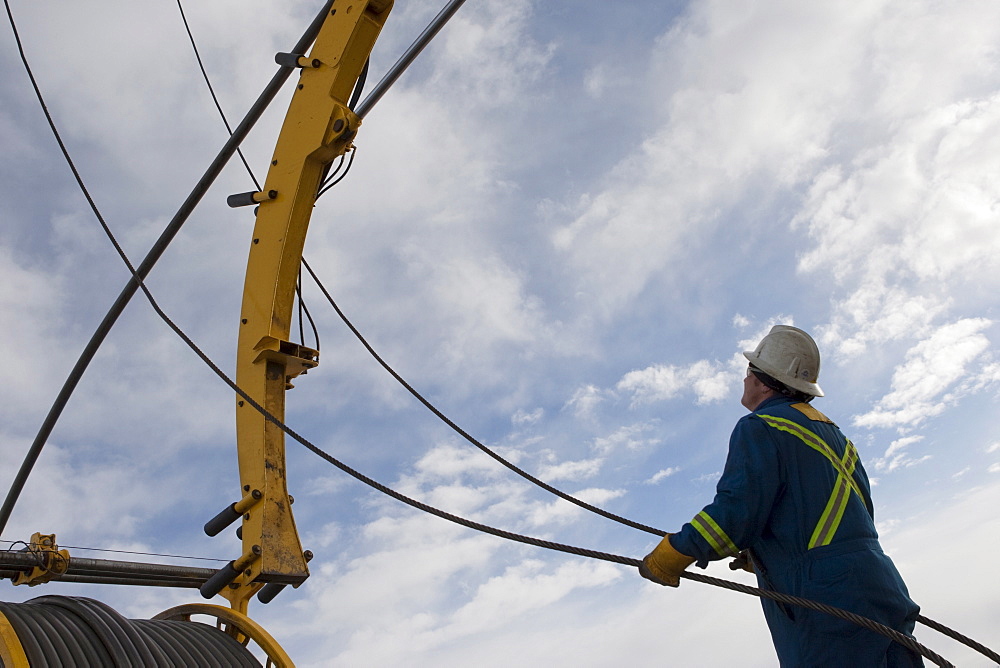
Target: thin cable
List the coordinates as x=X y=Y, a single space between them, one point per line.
x=464 y=434
x=104 y=549
x=326 y=186
x=211 y=90
x=154 y=254
x=312 y=323
x=222 y=114
x=327 y=175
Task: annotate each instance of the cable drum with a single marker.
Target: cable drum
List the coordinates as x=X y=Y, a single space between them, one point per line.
x=61 y=631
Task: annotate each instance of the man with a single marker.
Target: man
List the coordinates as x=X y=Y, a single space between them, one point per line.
x=795 y=500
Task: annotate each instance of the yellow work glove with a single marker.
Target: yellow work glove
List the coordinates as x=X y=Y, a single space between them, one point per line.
x=664 y=564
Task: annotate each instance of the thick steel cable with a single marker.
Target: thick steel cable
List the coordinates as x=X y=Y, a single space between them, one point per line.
x=464 y=434
x=157 y=250
x=955 y=635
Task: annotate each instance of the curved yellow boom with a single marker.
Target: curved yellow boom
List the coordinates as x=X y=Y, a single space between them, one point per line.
x=318 y=128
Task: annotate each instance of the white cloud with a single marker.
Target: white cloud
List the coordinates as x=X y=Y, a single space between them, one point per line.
x=488 y=55
x=920 y=386
x=522 y=417
x=561 y=511
x=453 y=461
x=526 y=586
x=893 y=227
x=968 y=516
x=572 y=471
x=584 y=400
x=708 y=381
x=662 y=474
x=895 y=455
x=626 y=437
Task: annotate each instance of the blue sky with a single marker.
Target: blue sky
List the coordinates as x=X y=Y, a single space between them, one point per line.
x=562 y=226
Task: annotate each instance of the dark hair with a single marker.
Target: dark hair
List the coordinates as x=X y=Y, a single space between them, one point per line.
x=778 y=386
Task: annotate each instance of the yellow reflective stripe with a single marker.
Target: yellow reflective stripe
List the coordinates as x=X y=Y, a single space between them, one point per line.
x=714 y=535
x=829 y=521
x=816 y=443
x=833 y=513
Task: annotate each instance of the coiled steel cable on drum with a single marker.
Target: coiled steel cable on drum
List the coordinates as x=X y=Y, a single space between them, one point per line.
x=77 y=631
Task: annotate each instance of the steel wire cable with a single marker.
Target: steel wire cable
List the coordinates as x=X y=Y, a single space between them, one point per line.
x=329 y=182
x=137 y=278
x=964 y=639
x=464 y=434
x=12 y=543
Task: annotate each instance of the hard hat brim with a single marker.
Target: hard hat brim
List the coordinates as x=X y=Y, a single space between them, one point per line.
x=812 y=389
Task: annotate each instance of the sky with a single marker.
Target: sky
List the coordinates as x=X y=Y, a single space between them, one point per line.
x=562 y=226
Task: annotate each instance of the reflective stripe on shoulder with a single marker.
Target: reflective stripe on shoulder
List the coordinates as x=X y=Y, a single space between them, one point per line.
x=714 y=535
x=811 y=439
x=811 y=412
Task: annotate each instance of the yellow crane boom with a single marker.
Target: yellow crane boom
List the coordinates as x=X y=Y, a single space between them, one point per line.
x=318 y=128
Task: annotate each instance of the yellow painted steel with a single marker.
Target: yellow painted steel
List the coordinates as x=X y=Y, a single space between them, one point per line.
x=235 y=624
x=11 y=652
x=318 y=128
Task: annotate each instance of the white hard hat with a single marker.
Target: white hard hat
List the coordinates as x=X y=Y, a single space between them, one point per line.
x=791 y=357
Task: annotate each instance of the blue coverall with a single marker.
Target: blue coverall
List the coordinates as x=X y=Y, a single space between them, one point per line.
x=794 y=493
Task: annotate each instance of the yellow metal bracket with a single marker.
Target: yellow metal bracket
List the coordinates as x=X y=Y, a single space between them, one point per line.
x=296 y=358
x=52 y=562
x=318 y=128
